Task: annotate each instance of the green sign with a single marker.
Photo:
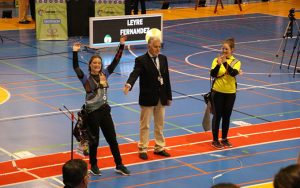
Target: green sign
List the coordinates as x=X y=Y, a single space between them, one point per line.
x=109 y=8
x=51 y=20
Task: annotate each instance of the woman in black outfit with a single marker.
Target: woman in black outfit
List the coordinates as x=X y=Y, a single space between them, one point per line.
x=96 y=105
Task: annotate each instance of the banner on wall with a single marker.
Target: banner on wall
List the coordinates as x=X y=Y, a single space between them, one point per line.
x=51 y=20
x=109 y=8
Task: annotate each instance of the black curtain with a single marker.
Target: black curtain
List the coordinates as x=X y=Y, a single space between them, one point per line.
x=78 y=13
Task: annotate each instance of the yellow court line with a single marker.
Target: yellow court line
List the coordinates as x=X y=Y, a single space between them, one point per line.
x=261 y=185
x=4 y=95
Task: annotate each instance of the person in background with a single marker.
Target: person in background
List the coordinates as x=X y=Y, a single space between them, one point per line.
x=288 y=177
x=136 y=6
x=23 y=11
x=224 y=70
x=202 y=3
x=75 y=174
x=97 y=107
x=155 y=93
x=32 y=9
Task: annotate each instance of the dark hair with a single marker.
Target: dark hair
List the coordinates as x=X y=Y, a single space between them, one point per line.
x=74 y=172
x=94 y=57
x=225 y=185
x=230 y=42
x=288 y=177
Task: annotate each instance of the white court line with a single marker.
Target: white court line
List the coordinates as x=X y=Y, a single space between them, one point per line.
x=24 y=170
x=269 y=88
x=9 y=154
x=249 y=57
x=210 y=21
x=237 y=136
x=179 y=97
x=76 y=110
x=203 y=153
x=187 y=74
x=194 y=65
x=247 y=42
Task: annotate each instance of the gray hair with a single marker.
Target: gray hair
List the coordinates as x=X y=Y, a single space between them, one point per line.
x=153 y=39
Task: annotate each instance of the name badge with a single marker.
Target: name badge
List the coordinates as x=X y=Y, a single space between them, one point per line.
x=161 y=80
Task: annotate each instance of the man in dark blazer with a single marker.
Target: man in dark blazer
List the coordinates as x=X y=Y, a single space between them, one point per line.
x=155 y=93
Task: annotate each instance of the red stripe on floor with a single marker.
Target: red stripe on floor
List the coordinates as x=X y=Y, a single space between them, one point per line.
x=50 y=165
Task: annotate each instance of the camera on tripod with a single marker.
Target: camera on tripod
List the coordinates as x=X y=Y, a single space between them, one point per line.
x=292 y=14
x=289 y=33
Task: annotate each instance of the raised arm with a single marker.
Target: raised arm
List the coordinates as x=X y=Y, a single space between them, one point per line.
x=78 y=71
x=118 y=55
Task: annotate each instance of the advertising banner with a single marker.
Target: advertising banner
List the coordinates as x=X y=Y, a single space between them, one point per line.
x=51 y=20
x=109 y=8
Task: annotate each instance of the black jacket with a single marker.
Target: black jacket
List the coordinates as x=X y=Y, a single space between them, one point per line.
x=150 y=88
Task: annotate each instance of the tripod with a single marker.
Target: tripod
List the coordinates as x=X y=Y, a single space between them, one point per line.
x=297 y=43
x=289 y=33
x=72 y=118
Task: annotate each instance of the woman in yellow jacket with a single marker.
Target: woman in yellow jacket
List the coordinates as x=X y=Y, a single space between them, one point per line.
x=224 y=70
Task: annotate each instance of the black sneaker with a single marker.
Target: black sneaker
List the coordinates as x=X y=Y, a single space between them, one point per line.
x=95 y=170
x=162 y=153
x=121 y=169
x=217 y=145
x=143 y=156
x=24 y=22
x=226 y=143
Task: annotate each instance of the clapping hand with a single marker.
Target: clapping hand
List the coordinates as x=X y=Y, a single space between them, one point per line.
x=241 y=72
x=221 y=59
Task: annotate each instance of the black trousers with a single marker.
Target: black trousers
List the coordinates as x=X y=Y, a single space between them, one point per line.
x=102 y=118
x=129 y=4
x=222 y=105
x=32 y=9
x=136 y=6
x=202 y=2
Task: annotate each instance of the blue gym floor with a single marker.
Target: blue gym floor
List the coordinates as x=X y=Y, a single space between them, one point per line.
x=40 y=79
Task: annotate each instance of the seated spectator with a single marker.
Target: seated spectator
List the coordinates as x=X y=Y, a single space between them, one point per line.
x=288 y=177
x=75 y=174
x=225 y=185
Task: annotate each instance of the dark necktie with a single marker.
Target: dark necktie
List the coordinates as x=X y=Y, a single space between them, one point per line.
x=154 y=60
